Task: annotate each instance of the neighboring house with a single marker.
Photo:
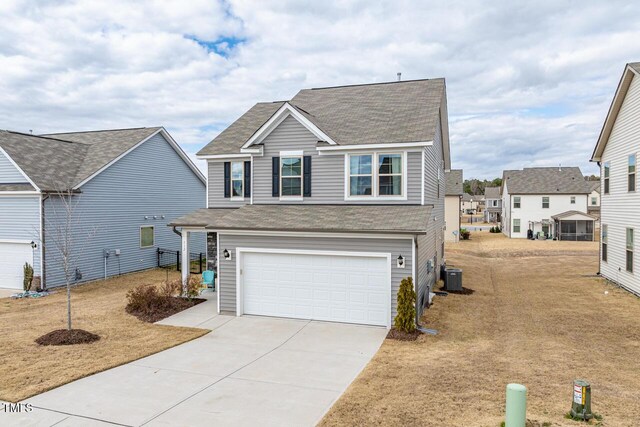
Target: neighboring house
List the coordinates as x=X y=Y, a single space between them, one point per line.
x=493 y=203
x=453 y=204
x=617 y=153
x=547 y=202
x=593 y=208
x=470 y=204
x=320 y=205
x=127 y=185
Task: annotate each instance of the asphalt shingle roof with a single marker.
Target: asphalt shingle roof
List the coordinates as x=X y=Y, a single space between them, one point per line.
x=405 y=111
x=313 y=218
x=453 y=182
x=546 y=180
x=61 y=161
x=594 y=186
x=492 y=192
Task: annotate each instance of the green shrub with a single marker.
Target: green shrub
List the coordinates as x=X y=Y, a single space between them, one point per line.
x=28 y=276
x=405 y=319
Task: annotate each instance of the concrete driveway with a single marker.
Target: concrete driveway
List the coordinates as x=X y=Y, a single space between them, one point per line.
x=248 y=371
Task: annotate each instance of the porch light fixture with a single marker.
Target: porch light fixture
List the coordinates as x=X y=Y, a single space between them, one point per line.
x=33 y=245
x=226 y=254
x=400 y=261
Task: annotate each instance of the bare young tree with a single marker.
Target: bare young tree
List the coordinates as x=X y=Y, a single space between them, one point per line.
x=65 y=237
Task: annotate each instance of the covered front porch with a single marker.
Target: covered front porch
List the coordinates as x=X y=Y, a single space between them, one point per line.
x=574 y=226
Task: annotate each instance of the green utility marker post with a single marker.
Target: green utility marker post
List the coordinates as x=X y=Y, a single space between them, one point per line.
x=581 y=404
x=516 y=415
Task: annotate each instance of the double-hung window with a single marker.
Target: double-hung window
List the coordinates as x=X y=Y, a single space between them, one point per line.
x=594 y=201
x=516 y=202
x=516 y=225
x=237 y=179
x=361 y=175
x=630 y=250
x=605 y=241
x=375 y=175
x=607 y=171
x=545 y=202
x=631 y=173
x=291 y=176
x=390 y=174
x=573 y=200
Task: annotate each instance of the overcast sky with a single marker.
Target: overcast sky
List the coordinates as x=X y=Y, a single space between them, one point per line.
x=529 y=83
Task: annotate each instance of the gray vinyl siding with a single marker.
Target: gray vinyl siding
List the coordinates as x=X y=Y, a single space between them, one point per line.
x=327 y=177
x=231 y=242
x=430 y=245
x=20 y=220
x=152 y=180
x=8 y=172
x=215 y=172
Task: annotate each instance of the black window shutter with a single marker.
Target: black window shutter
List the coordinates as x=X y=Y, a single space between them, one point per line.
x=275 y=176
x=227 y=179
x=306 y=185
x=247 y=179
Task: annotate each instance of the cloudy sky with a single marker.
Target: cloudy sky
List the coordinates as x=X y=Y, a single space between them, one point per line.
x=529 y=83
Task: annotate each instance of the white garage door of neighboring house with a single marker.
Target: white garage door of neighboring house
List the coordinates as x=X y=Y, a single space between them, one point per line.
x=338 y=288
x=12 y=259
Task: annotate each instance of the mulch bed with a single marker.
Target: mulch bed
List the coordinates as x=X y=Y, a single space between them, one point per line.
x=169 y=307
x=464 y=291
x=396 y=334
x=67 y=337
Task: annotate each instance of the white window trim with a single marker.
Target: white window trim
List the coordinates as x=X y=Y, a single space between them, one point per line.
x=153 y=228
x=374 y=177
x=548 y=202
x=289 y=154
x=231 y=196
x=635 y=168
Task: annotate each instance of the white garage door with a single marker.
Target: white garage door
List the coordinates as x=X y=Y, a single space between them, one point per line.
x=12 y=259
x=338 y=288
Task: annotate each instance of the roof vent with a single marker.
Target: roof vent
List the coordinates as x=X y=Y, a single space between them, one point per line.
x=399 y=76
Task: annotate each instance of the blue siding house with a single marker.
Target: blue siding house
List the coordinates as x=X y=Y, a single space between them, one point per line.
x=123 y=187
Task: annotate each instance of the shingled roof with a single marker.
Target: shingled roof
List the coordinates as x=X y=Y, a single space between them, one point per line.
x=395 y=112
x=546 y=180
x=453 y=182
x=62 y=161
x=492 y=192
x=412 y=219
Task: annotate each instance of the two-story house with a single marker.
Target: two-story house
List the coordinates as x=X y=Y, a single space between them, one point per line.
x=453 y=204
x=546 y=202
x=616 y=153
x=320 y=205
x=470 y=204
x=593 y=208
x=493 y=203
x=99 y=200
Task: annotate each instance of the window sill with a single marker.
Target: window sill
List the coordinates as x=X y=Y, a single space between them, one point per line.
x=291 y=198
x=373 y=198
x=236 y=199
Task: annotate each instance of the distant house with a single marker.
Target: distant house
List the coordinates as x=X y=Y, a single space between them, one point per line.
x=593 y=208
x=616 y=153
x=124 y=185
x=546 y=202
x=470 y=204
x=493 y=204
x=453 y=204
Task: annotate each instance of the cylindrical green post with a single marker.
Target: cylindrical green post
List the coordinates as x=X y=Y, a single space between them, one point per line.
x=516 y=415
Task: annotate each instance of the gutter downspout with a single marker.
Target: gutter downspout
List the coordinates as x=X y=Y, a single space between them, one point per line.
x=415 y=279
x=594 y=225
x=43 y=247
x=175 y=230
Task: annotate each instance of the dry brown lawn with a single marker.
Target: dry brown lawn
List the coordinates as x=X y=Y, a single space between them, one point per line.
x=538 y=317
x=27 y=369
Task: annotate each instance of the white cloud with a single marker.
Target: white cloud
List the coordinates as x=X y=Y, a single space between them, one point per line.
x=528 y=83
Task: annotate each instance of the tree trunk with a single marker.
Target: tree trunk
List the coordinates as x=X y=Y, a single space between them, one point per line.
x=68 y=306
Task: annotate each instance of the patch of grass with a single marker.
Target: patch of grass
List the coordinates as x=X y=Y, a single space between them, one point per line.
x=28 y=368
x=534 y=319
